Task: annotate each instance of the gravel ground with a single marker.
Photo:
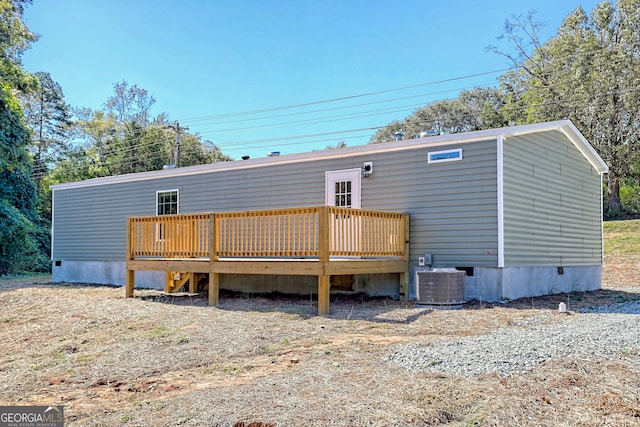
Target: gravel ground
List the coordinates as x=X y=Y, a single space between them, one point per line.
x=611 y=332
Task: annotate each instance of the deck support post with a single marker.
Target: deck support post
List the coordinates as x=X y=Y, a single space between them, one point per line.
x=324 y=288
x=129 y=283
x=214 y=256
x=404 y=286
x=168 y=281
x=193 y=283
x=404 y=276
x=324 y=256
x=214 y=288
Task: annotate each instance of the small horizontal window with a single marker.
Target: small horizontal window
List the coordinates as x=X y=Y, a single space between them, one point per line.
x=444 y=156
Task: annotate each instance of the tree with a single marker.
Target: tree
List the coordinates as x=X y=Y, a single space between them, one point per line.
x=340 y=144
x=20 y=233
x=140 y=149
x=15 y=38
x=130 y=104
x=125 y=138
x=15 y=167
x=98 y=129
x=18 y=243
x=49 y=118
x=198 y=152
x=475 y=109
x=589 y=73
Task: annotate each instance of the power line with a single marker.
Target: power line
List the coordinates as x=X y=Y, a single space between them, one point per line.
x=246 y=116
x=330 y=118
x=513 y=109
x=343 y=98
x=347 y=107
x=254 y=143
x=211 y=119
x=324 y=119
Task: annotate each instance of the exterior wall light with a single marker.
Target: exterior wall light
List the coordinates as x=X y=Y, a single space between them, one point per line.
x=367 y=169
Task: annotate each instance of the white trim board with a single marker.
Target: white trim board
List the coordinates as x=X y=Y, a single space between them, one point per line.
x=500 y=175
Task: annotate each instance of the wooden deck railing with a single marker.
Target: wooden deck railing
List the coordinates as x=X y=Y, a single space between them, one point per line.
x=355 y=232
x=314 y=232
x=171 y=236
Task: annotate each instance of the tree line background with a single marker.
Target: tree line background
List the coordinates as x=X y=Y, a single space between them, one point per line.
x=589 y=72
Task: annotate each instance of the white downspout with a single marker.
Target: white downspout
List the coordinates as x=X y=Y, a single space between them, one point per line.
x=500 y=173
x=601 y=220
x=53 y=221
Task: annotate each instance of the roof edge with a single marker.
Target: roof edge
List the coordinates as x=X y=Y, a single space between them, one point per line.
x=564 y=126
x=587 y=150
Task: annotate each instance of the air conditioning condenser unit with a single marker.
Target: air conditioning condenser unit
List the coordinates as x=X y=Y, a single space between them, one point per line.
x=441 y=287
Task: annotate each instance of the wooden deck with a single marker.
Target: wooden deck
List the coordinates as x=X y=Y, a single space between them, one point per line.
x=317 y=241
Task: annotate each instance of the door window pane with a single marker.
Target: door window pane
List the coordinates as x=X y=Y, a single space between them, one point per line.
x=343 y=193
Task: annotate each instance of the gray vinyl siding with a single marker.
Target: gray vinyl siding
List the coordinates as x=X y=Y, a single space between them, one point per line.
x=552 y=208
x=90 y=222
x=101 y=211
x=453 y=205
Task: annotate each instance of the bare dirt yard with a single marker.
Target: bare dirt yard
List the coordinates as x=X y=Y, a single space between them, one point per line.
x=166 y=360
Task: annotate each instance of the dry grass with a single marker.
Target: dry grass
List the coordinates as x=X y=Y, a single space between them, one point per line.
x=159 y=360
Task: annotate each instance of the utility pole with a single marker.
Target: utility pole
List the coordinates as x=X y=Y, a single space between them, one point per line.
x=178 y=130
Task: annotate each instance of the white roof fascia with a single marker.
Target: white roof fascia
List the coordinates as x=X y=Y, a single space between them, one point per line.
x=432 y=141
x=572 y=133
x=584 y=147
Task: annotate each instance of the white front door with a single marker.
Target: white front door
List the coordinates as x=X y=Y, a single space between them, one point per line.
x=343 y=188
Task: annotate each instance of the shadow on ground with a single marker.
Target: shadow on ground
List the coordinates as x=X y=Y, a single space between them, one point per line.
x=351 y=306
x=343 y=306
x=364 y=307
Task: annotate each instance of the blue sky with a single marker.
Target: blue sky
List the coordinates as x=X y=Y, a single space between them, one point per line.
x=207 y=61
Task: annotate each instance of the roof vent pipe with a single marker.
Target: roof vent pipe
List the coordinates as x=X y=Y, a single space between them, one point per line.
x=425 y=133
x=399 y=135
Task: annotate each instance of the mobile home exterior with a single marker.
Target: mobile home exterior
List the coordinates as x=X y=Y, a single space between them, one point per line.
x=518 y=208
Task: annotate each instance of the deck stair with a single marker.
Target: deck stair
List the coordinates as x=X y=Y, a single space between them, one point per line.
x=177 y=280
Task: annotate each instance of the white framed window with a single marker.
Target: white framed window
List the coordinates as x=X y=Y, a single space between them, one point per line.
x=167 y=202
x=444 y=156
